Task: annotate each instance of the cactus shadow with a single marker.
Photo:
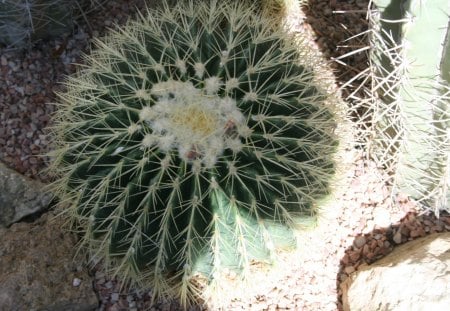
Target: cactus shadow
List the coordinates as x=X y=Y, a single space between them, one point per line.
x=336 y=26
x=368 y=248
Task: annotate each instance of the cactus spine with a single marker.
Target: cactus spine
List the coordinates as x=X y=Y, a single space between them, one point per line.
x=411 y=57
x=193 y=142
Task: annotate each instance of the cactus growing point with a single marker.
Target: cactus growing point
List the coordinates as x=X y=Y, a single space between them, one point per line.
x=192 y=143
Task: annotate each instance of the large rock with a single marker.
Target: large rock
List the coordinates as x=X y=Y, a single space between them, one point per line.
x=19 y=196
x=415 y=276
x=37 y=270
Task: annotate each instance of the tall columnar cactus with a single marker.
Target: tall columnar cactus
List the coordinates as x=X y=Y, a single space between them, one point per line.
x=193 y=142
x=411 y=62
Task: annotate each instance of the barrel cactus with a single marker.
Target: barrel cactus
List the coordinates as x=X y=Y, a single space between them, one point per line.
x=411 y=69
x=193 y=142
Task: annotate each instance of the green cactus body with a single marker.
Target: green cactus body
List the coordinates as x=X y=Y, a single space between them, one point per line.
x=411 y=57
x=23 y=21
x=193 y=142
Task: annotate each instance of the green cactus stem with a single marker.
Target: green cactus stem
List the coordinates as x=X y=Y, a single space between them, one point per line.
x=411 y=56
x=193 y=142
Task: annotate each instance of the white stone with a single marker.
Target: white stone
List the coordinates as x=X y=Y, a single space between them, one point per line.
x=415 y=276
x=381 y=216
x=76 y=282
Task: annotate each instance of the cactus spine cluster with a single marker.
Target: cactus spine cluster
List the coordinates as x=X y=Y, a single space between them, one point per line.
x=193 y=143
x=411 y=62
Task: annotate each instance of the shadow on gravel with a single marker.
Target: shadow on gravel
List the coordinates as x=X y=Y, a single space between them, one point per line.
x=335 y=23
x=340 y=29
x=370 y=247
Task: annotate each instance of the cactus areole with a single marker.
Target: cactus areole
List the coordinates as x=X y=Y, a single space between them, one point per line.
x=191 y=144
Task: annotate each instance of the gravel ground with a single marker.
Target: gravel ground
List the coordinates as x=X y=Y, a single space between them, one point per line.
x=29 y=79
x=364 y=224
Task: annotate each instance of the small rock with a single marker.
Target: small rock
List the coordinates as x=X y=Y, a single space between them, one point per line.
x=370 y=256
x=99 y=275
x=114 y=297
x=100 y=281
x=354 y=256
x=427 y=222
x=377 y=236
x=109 y=285
x=397 y=237
x=20 y=196
x=419 y=232
x=345 y=260
x=437 y=228
x=405 y=230
x=29 y=89
x=420 y=268
x=446 y=220
x=3 y=60
x=359 y=241
x=76 y=282
x=366 y=250
x=349 y=269
x=369 y=226
x=382 y=217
